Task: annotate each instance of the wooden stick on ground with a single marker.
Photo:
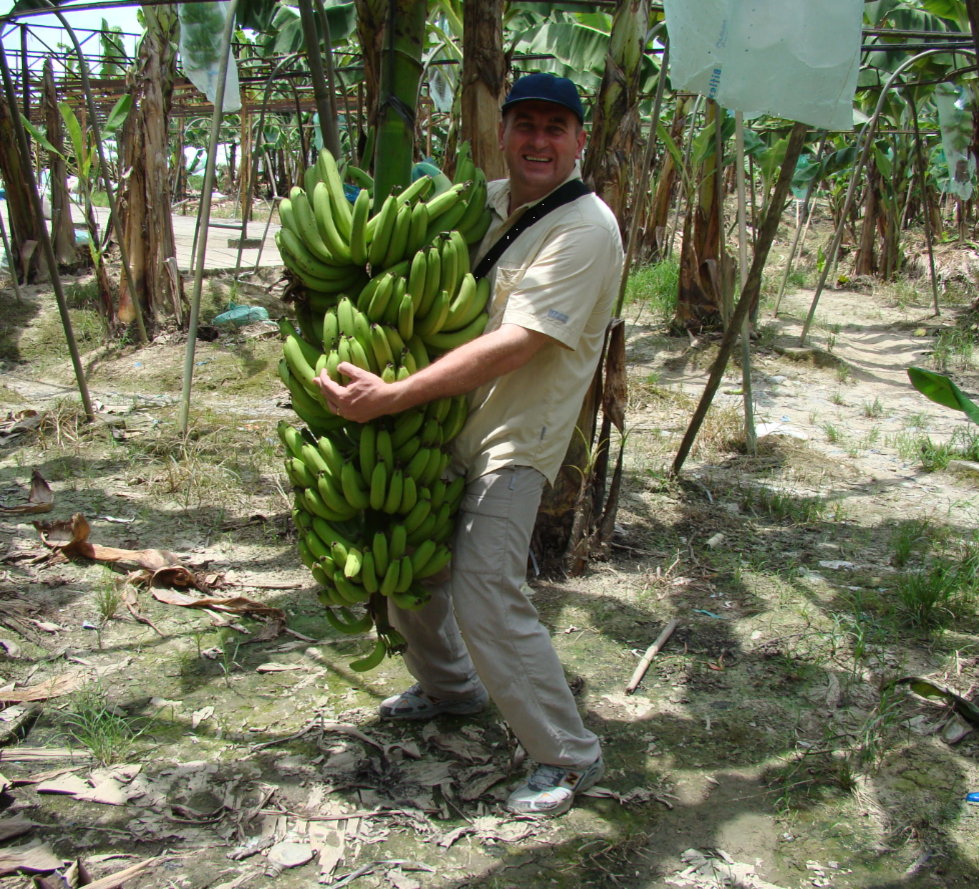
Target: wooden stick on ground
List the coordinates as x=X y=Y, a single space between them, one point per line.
x=647 y=658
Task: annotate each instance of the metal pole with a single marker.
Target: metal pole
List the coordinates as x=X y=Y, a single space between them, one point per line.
x=205 y=215
x=868 y=136
x=643 y=177
x=45 y=238
x=751 y=439
x=800 y=228
x=106 y=182
x=926 y=202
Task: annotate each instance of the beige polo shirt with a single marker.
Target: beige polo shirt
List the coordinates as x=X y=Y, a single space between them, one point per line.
x=560 y=277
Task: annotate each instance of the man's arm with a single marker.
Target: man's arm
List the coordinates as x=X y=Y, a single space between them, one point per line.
x=487 y=357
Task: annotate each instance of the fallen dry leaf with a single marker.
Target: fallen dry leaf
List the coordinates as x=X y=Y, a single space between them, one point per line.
x=40 y=754
x=34 y=858
x=70 y=538
x=233 y=605
x=116 y=880
x=273 y=667
x=40 y=499
x=15 y=826
x=50 y=688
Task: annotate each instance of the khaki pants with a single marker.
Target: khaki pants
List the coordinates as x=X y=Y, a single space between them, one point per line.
x=480 y=629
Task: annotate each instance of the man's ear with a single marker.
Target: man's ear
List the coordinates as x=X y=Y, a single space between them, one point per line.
x=499 y=133
x=582 y=138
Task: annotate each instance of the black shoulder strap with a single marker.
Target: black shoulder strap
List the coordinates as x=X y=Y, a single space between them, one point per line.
x=570 y=191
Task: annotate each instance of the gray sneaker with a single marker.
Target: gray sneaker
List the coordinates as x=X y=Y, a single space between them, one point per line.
x=551 y=790
x=415 y=704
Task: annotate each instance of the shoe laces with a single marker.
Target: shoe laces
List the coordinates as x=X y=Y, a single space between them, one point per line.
x=547 y=776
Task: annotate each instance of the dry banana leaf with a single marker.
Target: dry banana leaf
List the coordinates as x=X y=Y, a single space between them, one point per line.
x=51 y=688
x=966 y=709
x=232 y=605
x=36 y=858
x=40 y=499
x=70 y=538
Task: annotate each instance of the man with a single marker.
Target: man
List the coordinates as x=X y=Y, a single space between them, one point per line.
x=553 y=292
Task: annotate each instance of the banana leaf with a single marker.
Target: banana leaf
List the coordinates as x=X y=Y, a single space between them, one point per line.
x=943 y=391
x=966 y=709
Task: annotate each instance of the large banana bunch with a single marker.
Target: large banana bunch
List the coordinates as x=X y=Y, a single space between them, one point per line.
x=389 y=293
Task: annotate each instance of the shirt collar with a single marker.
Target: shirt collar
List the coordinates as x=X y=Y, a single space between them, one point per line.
x=500 y=202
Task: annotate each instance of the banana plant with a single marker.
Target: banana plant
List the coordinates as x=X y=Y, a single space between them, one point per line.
x=86 y=164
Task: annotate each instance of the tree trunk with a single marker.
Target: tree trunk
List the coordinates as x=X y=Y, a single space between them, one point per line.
x=62 y=230
x=615 y=135
x=657 y=223
x=484 y=68
x=371 y=30
x=20 y=211
x=865 y=262
x=401 y=69
x=146 y=223
x=700 y=298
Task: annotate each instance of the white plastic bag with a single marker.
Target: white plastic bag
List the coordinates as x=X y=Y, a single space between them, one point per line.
x=955 y=122
x=201 y=30
x=796 y=59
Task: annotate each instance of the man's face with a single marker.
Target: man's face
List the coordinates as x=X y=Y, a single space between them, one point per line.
x=540 y=142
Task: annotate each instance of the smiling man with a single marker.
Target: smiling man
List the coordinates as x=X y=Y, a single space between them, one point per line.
x=553 y=291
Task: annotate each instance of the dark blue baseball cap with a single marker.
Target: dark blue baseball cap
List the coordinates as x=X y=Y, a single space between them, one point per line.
x=546 y=88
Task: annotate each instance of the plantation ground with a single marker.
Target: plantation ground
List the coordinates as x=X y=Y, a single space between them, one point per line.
x=766 y=736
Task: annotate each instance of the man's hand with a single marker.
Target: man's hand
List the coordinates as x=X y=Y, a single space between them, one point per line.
x=362 y=399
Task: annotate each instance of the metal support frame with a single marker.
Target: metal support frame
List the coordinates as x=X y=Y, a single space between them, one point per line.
x=867 y=138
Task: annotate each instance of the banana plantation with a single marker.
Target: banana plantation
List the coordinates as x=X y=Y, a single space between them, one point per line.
x=758 y=563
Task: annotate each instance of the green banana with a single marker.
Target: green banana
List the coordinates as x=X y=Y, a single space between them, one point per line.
x=385 y=448
x=433 y=276
x=354 y=488
x=433 y=321
x=323 y=211
x=461 y=311
x=419 y=352
x=367 y=450
x=333 y=496
x=354 y=563
x=475 y=205
x=464 y=166
x=350 y=627
x=381 y=347
x=442 y=203
x=380 y=298
x=417 y=276
x=379 y=483
x=406 y=318
x=476 y=234
x=443 y=342
x=338 y=199
x=398 y=542
x=291 y=438
x=390 y=579
x=358 y=228
x=417 y=516
x=372 y=660
x=441 y=558
x=287 y=216
x=422 y=555
x=394 y=492
x=405 y=576
x=368 y=573
x=418 y=229
x=409 y=495
x=379 y=547
x=308 y=230
x=383 y=230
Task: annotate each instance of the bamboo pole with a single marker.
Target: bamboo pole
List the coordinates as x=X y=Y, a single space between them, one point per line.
x=644 y=177
x=683 y=173
x=651 y=652
x=205 y=215
x=751 y=439
x=801 y=227
x=925 y=202
x=750 y=292
x=44 y=237
x=324 y=105
x=721 y=282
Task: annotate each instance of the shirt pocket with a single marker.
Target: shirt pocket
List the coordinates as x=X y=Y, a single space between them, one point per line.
x=507 y=280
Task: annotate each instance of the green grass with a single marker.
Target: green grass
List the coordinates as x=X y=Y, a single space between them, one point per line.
x=655 y=287
x=953 y=348
x=927 y=598
x=98 y=725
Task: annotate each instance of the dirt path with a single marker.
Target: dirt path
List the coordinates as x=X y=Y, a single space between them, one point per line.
x=764 y=738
